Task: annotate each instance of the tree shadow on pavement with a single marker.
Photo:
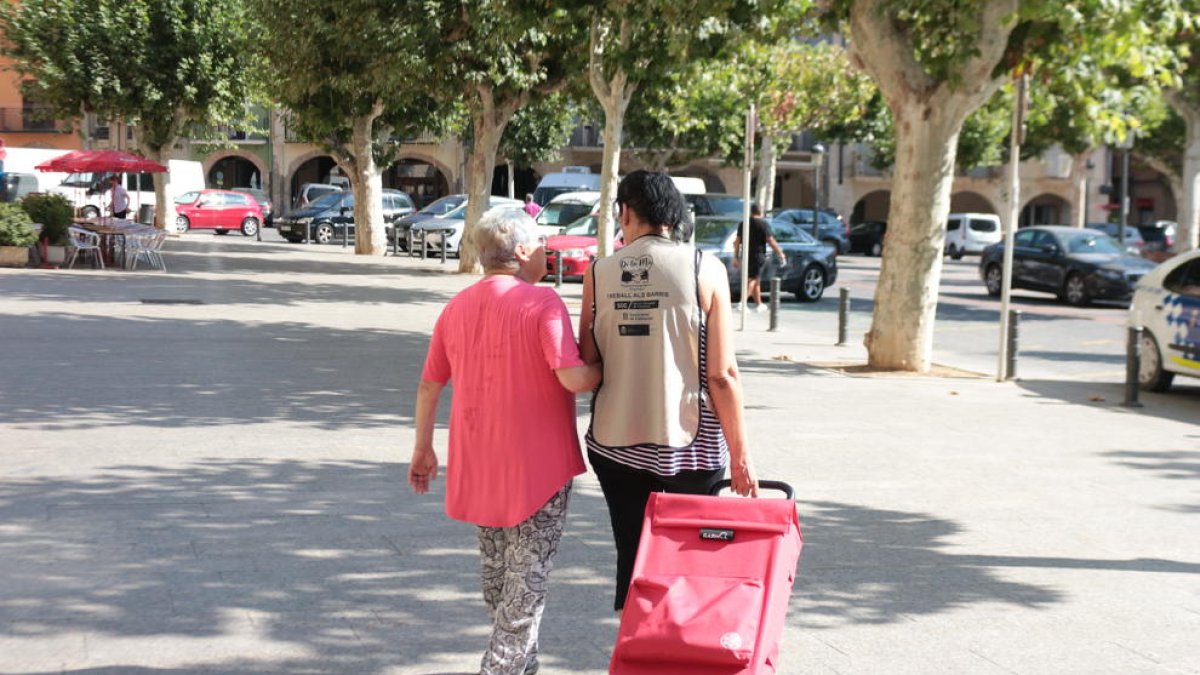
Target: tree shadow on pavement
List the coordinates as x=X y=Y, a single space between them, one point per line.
x=251 y=566
x=868 y=565
x=284 y=567
x=167 y=372
x=1168 y=464
x=1180 y=404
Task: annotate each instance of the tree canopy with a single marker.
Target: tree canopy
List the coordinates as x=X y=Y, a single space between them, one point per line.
x=160 y=64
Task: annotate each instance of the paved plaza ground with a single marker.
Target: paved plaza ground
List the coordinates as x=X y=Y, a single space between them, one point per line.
x=204 y=472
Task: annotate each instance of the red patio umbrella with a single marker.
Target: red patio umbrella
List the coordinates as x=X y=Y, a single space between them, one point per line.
x=97 y=161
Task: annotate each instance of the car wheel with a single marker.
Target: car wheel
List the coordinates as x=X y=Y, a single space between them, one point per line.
x=877 y=249
x=182 y=224
x=250 y=227
x=1151 y=376
x=323 y=233
x=89 y=212
x=1075 y=291
x=812 y=284
x=955 y=253
x=993 y=278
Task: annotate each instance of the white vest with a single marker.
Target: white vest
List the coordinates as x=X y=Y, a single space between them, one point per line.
x=647 y=328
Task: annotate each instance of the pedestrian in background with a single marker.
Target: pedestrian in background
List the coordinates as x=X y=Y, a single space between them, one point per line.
x=668 y=413
x=760 y=238
x=531 y=207
x=119 y=202
x=508 y=347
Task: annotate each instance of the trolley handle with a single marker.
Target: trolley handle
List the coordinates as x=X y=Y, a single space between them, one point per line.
x=762 y=484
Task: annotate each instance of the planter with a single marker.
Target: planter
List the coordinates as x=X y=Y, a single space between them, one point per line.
x=14 y=256
x=56 y=255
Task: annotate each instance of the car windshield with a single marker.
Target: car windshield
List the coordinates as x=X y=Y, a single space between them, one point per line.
x=258 y=195
x=187 y=197
x=560 y=213
x=444 y=205
x=714 y=232
x=788 y=232
x=726 y=205
x=329 y=201
x=1090 y=242
x=584 y=227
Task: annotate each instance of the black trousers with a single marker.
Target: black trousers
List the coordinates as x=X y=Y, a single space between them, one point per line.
x=626 y=490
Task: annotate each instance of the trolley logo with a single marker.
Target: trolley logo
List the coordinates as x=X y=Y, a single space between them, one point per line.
x=716 y=534
x=636 y=271
x=731 y=641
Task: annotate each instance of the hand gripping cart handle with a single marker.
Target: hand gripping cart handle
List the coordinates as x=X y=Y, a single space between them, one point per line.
x=711 y=585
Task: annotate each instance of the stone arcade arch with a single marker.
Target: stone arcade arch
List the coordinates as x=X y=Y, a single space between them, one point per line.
x=1046 y=208
x=235 y=168
x=871 y=206
x=423 y=178
x=971 y=202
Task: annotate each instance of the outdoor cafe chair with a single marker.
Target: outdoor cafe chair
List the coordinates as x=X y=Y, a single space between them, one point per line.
x=146 y=245
x=83 y=241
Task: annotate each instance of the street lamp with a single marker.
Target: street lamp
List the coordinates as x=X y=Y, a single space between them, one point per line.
x=1124 y=146
x=819 y=154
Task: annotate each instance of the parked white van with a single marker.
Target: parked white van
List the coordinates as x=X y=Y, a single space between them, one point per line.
x=971 y=233
x=565 y=209
x=570 y=179
x=88 y=191
x=20 y=177
x=689 y=186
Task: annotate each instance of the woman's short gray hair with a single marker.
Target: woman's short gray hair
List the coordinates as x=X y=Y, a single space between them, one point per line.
x=499 y=233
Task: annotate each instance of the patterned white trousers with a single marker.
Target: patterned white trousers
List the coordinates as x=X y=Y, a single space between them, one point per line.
x=516 y=564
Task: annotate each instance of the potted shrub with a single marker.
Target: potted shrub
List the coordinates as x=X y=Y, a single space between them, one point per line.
x=54 y=212
x=16 y=235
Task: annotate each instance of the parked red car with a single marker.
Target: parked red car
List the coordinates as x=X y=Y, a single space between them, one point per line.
x=220 y=210
x=577 y=246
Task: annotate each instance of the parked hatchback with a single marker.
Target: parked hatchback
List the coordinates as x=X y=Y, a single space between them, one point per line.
x=1166 y=305
x=810 y=268
x=220 y=210
x=332 y=216
x=264 y=203
x=1078 y=265
x=830 y=229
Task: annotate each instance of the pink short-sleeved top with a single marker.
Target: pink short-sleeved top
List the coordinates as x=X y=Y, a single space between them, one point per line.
x=513 y=441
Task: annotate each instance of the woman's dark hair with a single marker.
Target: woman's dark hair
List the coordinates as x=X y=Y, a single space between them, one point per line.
x=654 y=197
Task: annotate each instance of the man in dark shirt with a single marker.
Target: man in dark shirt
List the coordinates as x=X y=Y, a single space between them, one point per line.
x=760 y=238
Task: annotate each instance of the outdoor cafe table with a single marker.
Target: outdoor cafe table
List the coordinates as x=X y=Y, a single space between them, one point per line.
x=113 y=233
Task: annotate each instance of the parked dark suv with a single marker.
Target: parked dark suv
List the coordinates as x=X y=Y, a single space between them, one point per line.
x=830 y=229
x=325 y=219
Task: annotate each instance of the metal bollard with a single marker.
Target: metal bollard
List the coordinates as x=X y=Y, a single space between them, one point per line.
x=1133 y=366
x=775 y=292
x=445 y=236
x=424 y=236
x=1014 y=335
x=558 y=265
x=308 y=239
x=345 y=234
x=395 y=241
x=843 y=315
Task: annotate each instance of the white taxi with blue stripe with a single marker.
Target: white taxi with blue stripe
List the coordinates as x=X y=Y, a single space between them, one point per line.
x=1166 y=303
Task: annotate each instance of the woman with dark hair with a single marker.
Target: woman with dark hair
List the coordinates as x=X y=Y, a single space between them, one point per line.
x=668 y=413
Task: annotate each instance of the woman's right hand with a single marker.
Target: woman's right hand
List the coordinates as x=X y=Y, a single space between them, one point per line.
x=741 y=474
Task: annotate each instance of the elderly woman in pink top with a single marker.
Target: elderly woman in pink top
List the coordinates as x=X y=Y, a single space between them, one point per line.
x=509 y=348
